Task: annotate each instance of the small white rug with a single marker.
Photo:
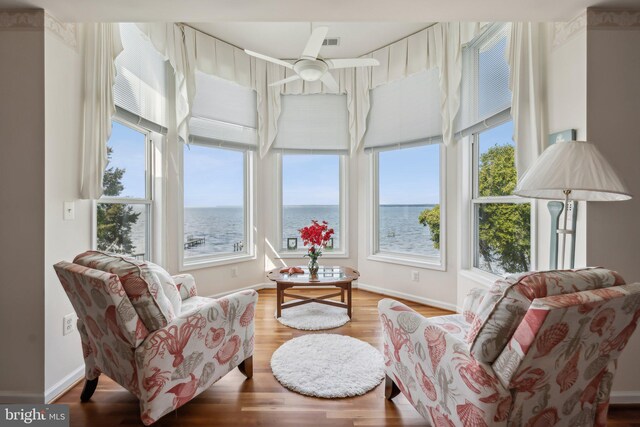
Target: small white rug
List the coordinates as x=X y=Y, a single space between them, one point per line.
x=328 y=365
x=314 y=317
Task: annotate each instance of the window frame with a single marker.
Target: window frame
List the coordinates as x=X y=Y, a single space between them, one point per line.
x=420 y=261
x=475 y=200
x=222 y=258
x=343 y=252
x=148 y=200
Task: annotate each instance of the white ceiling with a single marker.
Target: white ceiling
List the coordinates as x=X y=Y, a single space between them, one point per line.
x=306 y=10
x=286 y=40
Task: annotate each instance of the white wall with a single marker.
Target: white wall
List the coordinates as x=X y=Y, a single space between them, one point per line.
x=567 y=109
x=63 y=239
x=22 y=192
x=613 y=114
x=434 y=286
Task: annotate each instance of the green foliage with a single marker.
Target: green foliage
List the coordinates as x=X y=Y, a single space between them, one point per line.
x=112 y=178
x=431 y=218
x=115 y=220
x=503 y=228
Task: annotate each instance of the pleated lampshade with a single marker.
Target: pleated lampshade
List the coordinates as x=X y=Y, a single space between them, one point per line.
x=572 y=165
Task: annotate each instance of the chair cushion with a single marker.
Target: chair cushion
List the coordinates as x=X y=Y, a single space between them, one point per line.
x=140 y=282
x=168 y=286
x=505 y=304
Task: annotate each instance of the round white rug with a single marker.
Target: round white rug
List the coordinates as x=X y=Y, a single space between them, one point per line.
x=328 y=365
x=314 y=317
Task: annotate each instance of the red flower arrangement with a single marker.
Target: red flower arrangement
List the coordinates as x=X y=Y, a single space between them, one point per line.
x=316 y=236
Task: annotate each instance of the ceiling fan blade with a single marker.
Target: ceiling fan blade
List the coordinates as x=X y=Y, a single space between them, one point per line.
x=287 y=80
x=268 y=58
x=353 y=62
x=330 y=82
x=312 y=49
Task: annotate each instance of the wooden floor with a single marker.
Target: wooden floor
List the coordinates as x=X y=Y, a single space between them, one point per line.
x=262 y=401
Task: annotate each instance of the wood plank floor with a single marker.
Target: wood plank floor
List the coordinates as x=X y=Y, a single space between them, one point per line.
x=262 y=401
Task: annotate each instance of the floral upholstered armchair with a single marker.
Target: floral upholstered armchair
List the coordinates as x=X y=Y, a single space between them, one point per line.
x=152 y=333
x=538 y=349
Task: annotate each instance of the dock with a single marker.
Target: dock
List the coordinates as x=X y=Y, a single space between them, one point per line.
x=193 y=241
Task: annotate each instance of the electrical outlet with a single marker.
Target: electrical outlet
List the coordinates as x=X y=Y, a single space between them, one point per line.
x=234 y=271
x=415 y=276
x=68 y=323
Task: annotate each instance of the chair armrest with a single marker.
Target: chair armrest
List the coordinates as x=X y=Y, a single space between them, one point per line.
x=471 y=303
x=186 y=285
x=195 y=350
x=427 y=358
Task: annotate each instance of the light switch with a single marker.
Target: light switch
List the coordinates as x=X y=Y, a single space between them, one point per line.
x=69 y=211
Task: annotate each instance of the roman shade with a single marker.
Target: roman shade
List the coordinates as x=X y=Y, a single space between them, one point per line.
x=485 y=80
x=405 y=112
x=313 y=123
x=224 y=114
x=140 y=87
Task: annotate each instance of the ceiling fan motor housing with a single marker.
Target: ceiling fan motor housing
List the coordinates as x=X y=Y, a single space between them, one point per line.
x=310 y=70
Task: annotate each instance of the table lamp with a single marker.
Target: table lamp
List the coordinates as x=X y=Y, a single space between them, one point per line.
x=573 y=170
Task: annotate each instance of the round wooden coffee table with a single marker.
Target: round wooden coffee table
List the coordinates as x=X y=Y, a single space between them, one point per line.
x=340 y=277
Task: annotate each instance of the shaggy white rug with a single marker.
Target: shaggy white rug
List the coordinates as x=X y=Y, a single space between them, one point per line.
x=328 y=365
x=314 y=317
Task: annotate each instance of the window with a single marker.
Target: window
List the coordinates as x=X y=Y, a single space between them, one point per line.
x=123 y=213
x=311 y=189
x=218 y=174
x=408 y=202
x=215 y=202
x=404 y=135
x=502 y=222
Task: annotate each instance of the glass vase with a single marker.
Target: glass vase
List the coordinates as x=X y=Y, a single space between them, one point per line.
x=313 y=267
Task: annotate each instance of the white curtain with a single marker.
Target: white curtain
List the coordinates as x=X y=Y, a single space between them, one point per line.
x=178 y=44
x=437 y=46
x=101 y=47
x=526 y=55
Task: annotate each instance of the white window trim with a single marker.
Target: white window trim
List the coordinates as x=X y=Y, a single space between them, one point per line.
x=468 y=201
x=213 y=260
x=432 y=263
x=341 y=253
x=149 y=201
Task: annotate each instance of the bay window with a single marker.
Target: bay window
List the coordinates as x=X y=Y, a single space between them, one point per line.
x=500 y=232
x=312 y=146
x=125 y=212
x=217 y=174
x=404 y=142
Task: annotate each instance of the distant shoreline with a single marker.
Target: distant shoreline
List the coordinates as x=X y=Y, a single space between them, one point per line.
x=316 y=206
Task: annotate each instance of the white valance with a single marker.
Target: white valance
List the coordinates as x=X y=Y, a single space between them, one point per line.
x=405 y=112
x=101 y=48
x=316 y=123
x=140 y=86
x=437 y=46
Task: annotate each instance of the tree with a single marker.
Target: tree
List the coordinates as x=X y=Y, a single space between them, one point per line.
x=431 y=218
x=115 y=220
x=503 y=228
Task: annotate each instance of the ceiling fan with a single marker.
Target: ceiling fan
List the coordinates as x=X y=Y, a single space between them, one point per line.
x=309 y=67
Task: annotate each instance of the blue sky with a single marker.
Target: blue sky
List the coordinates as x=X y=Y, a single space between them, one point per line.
x=214 y=177
x=129 y=154
x=410 y=176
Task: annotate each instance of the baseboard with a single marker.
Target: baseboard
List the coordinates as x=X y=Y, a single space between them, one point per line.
x=62 y=386
x=624 y=397
x=256 y=287
x=408 y=297
x=8 y=397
